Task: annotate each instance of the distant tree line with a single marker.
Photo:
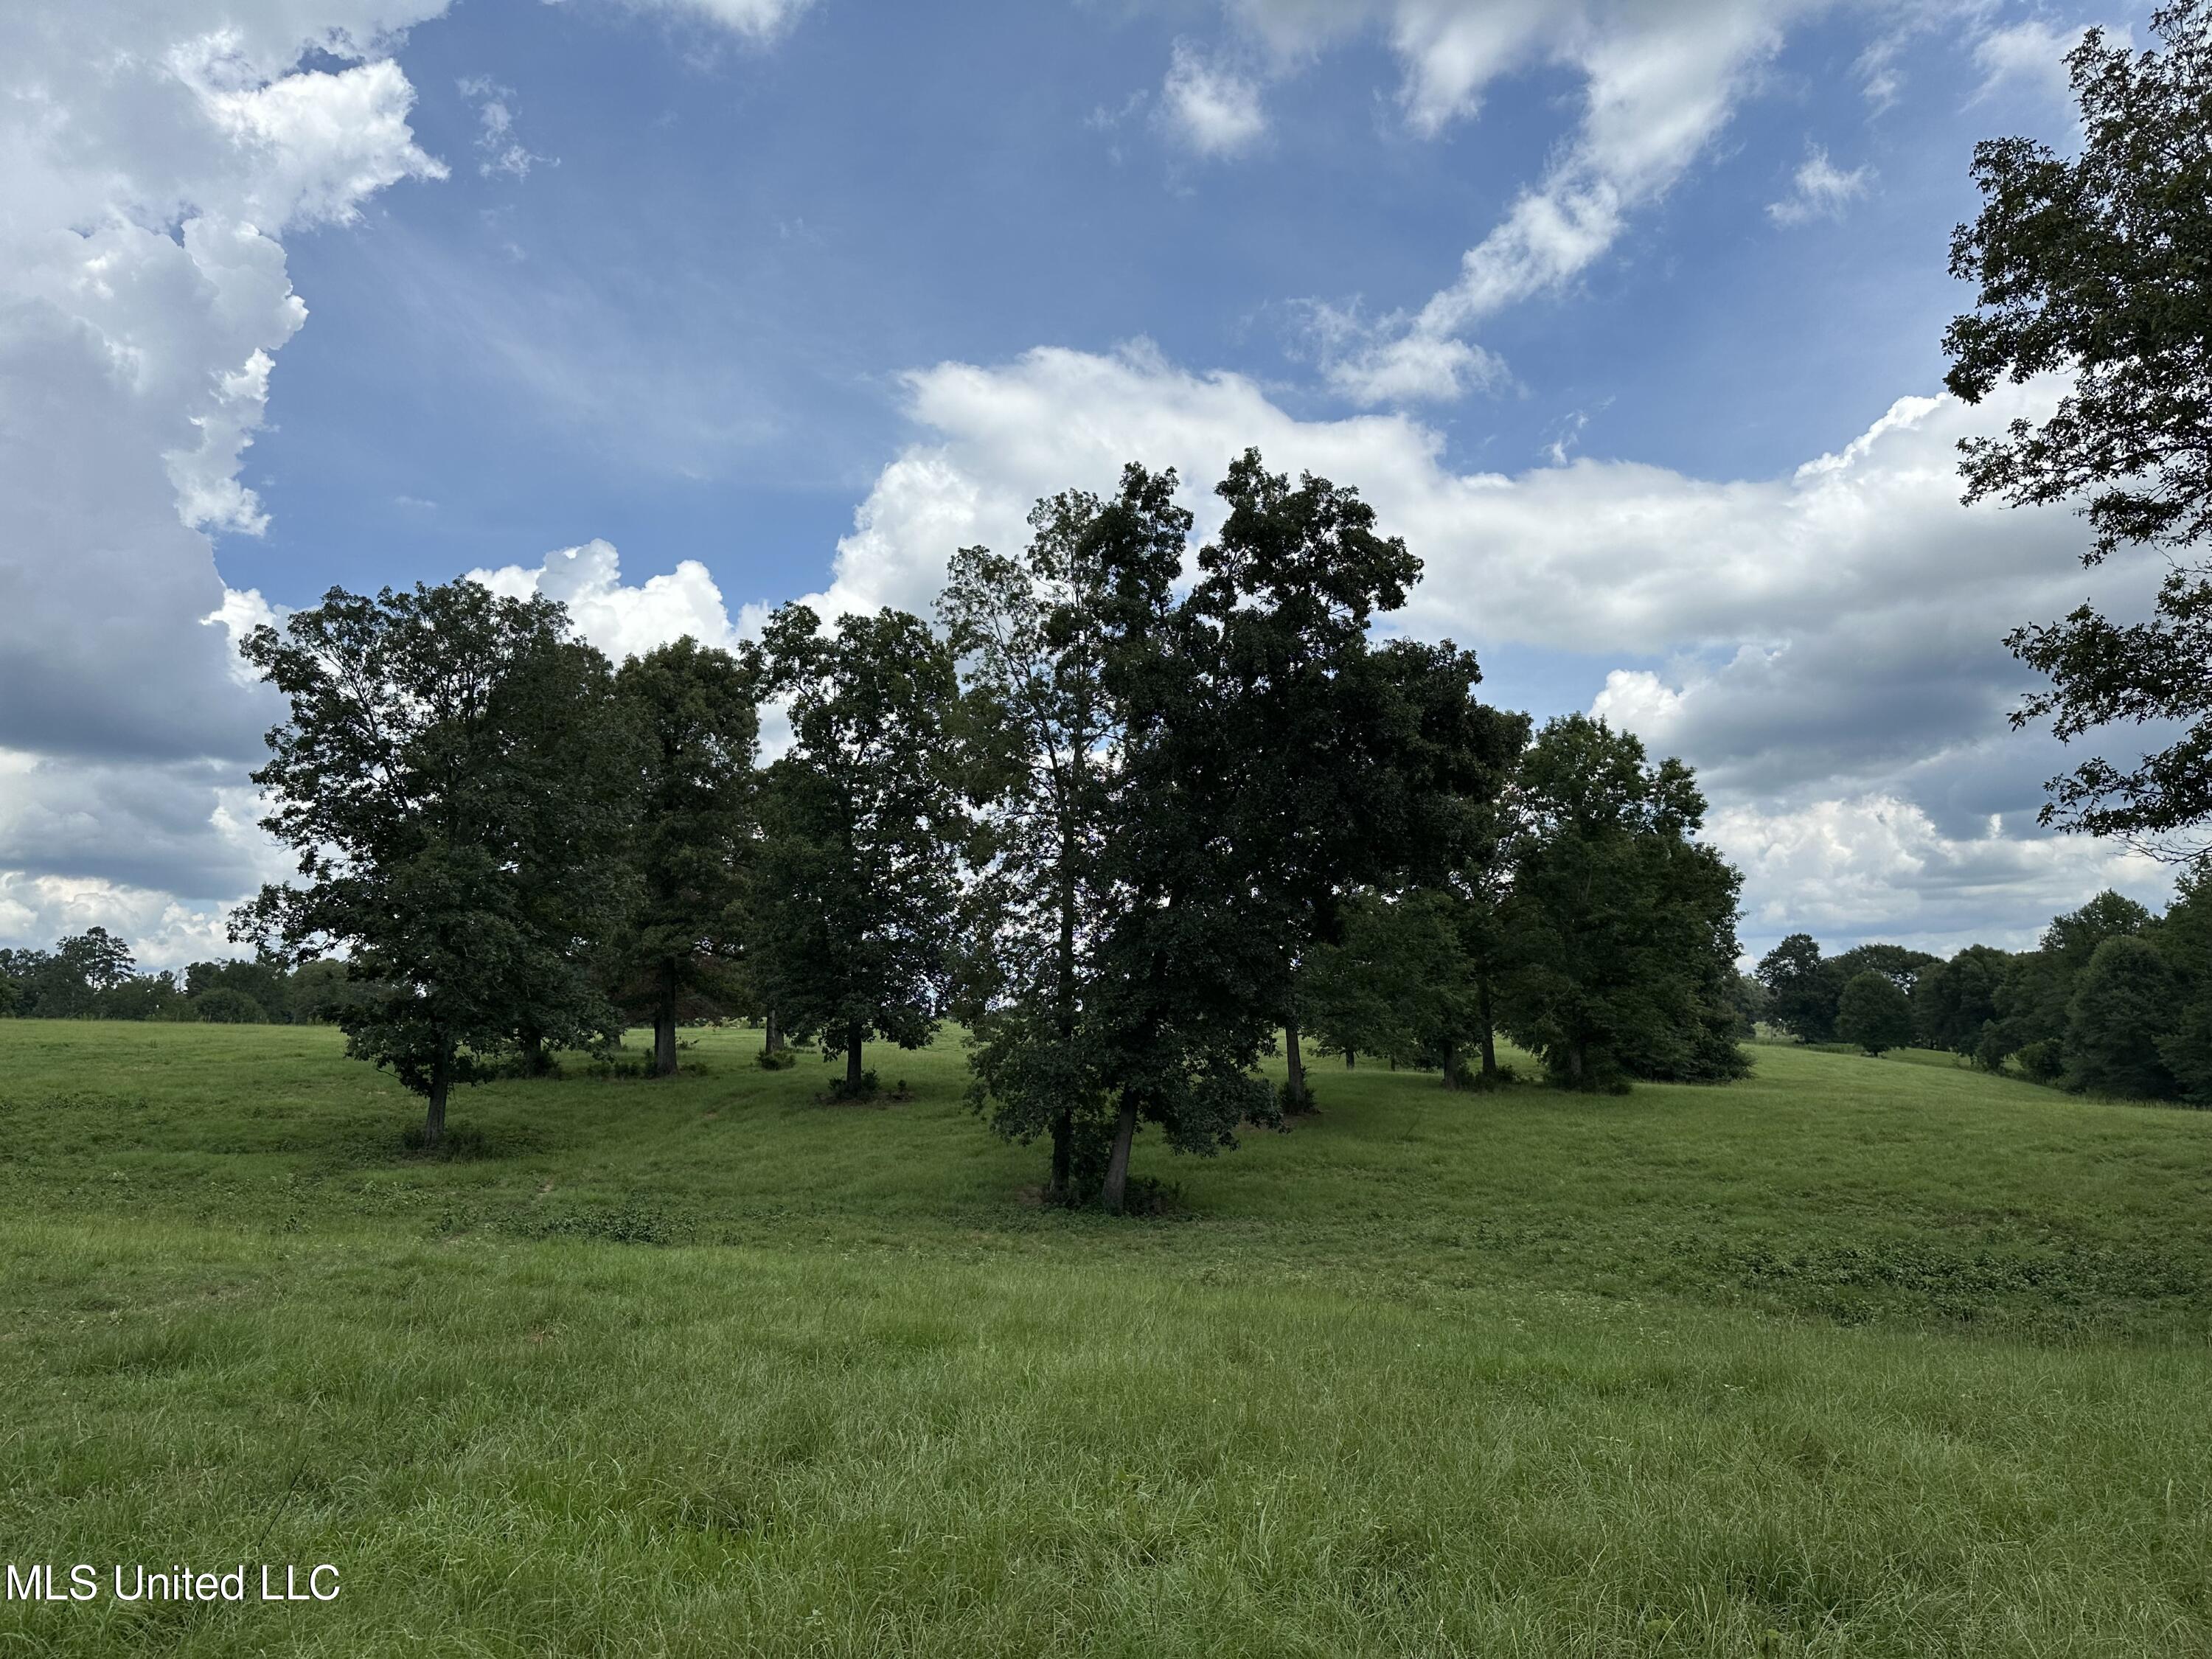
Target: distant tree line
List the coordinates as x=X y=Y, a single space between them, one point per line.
x=93 y=975
x=2113 y=1000
x=1134 y=814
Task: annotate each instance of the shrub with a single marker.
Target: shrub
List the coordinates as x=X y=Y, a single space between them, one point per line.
x=867 y=1088
x=775 y=1060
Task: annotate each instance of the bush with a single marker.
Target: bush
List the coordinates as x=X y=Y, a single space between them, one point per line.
x=2041 y=1060
x=867 y=1088
x=775 y=1060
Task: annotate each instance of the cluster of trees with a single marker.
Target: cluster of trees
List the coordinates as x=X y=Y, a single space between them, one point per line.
x=1128 y=813
x=2113 y=1000
x=93 y=975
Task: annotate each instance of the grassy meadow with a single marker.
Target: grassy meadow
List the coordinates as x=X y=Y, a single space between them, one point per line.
x=1858 y=1357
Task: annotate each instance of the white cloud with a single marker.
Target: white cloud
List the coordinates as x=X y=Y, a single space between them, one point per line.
x=2030 y=53
x=1829 y=636
x=1820 y=189
x=1659 y=79
x=156 y=157
x=164 y=932
x=1875 y=867
x=757 y=20
x=1209 y=108
x=497 y=148
x=622 y=622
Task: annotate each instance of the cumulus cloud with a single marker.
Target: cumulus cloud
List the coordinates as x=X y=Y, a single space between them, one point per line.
x=1213 y=109
x=622 y=622
x=1830 y=636
x=1877 y=868
x=158 y=157
x=1820 y=189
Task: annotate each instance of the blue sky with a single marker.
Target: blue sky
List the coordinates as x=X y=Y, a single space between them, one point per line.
x=766 y=298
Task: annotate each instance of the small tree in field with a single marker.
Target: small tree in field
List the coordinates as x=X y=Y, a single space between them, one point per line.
x=445 y=775
x=1874 y=1012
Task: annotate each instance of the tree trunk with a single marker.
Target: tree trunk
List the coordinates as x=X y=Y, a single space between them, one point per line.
x=1115 y=1193
x=853 y=1059
x=1349 y=1059
x=441 y=1081
x=773 y=1040
x=1063 y=1155
x=1489 y=1033
x=663 y=1024
x=1294 y=1093
x=1451 y=1066
x=534 y=1060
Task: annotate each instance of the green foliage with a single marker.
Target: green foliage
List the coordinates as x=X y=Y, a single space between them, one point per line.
x=2093 y=265
x=853 y=902
x=2122 y=1005
x=690 y=730
x=1954 y=1001
x=446 y=775
x=1803 y=989
x=225 y=1005
x=776 y=1060
x=1398 y=986
x=1874 y=1012
x=1622 y=928
x=1034 y=630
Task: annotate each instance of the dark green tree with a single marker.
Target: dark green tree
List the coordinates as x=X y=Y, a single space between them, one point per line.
x=2095 y=266
x=1874 y=1012
x=1954 y=1002
x=2033 y=998
x=226 y=1005
x=854 y=907
x=2184 y=940
x=1898 y=963
x=1803 y=988
x=1622 y=924
x=691 y=732
x=2123 y=1009
x=444 y=776
x=1308 y=734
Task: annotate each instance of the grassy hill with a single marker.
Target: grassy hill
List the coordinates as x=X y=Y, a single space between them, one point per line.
x=1859 y=1357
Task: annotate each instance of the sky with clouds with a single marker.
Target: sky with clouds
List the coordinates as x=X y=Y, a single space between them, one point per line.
x=1625 y=313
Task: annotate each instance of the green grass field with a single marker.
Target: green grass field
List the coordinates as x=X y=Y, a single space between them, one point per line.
x=1860 y=1356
